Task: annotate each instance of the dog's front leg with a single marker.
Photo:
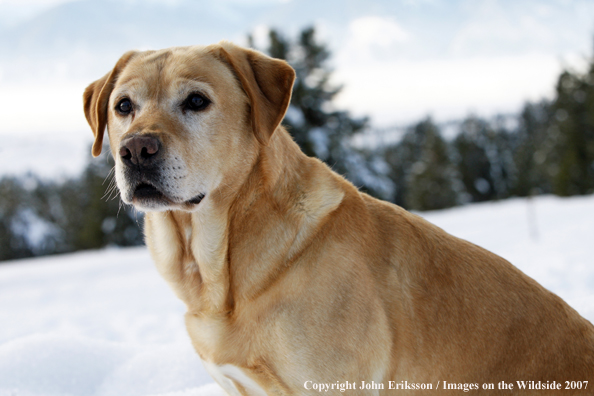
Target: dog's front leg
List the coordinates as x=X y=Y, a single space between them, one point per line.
x=191 y=258
x=167 y=240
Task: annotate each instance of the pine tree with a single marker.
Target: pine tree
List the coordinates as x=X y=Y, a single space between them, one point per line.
x=318 y=128
x=534 y=140
x=97 y=217
x=573 y=109
x=422 y=169
x=483 y=159
x=13 y=243
x=40 y=218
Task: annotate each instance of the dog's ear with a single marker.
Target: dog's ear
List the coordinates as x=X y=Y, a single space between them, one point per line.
x=96 y=98
x=268 y=83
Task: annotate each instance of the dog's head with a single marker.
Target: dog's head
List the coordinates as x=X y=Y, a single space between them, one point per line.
x=186 y=121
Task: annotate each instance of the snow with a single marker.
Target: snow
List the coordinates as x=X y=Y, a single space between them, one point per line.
x=104 y=323
x=97 y=323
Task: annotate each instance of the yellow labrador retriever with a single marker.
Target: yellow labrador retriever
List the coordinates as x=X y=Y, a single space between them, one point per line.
x=295 y=282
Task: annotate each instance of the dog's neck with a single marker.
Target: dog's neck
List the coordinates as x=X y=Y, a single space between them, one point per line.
x=211 y=252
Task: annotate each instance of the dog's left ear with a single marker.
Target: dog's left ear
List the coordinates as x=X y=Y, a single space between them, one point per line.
x=268 y=83
x=96 y=98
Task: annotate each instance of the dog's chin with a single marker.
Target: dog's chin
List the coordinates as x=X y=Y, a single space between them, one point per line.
x=148 y=198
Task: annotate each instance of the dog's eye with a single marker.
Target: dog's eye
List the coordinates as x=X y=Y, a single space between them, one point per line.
x=195 y=102
x=124 y=106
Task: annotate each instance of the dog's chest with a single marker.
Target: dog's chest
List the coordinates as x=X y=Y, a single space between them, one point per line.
x=229 y=376
x=209 y=336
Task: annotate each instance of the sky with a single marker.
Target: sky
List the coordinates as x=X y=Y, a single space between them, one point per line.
x=398 y=61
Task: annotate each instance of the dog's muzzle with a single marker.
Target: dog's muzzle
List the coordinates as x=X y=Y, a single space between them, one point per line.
x=148 y=184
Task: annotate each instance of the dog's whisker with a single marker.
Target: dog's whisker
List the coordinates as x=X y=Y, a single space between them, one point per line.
x=121 y=203
x=111 y=188
x=110 y=173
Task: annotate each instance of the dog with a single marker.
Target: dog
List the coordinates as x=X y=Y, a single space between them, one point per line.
x=296 y=282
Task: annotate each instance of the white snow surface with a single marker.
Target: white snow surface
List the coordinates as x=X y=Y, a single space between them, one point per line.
x=104 y=323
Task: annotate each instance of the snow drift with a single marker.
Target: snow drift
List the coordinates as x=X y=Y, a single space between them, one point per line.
x=104 y=323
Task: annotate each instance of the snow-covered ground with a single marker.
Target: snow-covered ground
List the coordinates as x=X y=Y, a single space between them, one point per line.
x=104 y=323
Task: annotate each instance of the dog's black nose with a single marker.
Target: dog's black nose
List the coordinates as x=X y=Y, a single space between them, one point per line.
x=139 y=150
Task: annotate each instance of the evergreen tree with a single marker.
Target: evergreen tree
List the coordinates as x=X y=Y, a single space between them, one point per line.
x=483 y=159
x=574 y=119
x=13 y=242
x=422 y=169
x=104 y=219
x=40 y=218
x=432 y=176
x=318 y=128
x=534 y=140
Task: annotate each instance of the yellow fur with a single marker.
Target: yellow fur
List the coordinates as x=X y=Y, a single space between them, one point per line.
x=290 y=274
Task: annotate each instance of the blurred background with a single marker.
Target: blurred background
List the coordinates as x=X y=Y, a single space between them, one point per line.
x=429 y=104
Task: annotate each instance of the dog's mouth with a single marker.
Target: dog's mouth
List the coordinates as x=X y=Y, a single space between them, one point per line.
x=196 y=200
x=147 y=194
x=145 y=191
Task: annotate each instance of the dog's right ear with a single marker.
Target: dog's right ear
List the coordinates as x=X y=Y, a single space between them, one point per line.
x=96 y=98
